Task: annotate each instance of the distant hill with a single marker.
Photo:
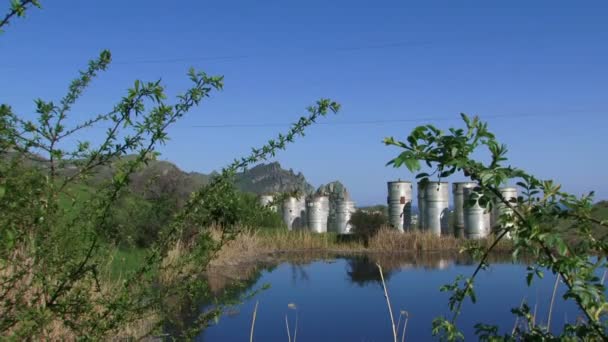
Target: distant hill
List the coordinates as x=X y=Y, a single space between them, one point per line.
x=163 y=176
x=600 y=210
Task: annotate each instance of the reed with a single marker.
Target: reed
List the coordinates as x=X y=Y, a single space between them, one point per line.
x=550 y=314
x=388 y=303
x=250 y=243
x=255 y=311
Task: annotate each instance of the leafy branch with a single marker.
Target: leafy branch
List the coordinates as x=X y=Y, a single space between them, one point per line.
x=531 y=220
x=18 y=8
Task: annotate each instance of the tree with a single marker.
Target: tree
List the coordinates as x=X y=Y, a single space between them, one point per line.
x=366 y=224
x=530 y=220
x=53 y=248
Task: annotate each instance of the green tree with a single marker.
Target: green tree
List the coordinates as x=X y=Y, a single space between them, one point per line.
x=531 y=221
x=53 y=243
x=367 y=224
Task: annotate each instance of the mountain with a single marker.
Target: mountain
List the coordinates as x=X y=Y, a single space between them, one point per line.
x=163 y=176
x=272 y=178
x=160 y=177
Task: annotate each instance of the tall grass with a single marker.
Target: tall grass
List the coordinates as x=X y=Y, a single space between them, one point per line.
x=251 y=243
x=391 y=240
x=123 y=261
x=251 y=250
x=299 y=240
x=28 y=293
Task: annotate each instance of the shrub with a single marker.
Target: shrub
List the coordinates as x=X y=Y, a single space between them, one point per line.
x=366 y=224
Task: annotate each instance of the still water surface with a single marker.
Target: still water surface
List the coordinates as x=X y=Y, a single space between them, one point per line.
x=341 y=298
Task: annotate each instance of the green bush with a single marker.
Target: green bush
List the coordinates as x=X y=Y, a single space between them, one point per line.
x=367 y=224
x=54 y=229
x=257 y=216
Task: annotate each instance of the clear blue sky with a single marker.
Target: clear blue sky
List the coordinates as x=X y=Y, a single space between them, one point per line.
x=382 y=60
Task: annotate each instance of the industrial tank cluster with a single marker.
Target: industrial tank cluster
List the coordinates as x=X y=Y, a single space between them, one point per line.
x=315 y=213
x=471 y=222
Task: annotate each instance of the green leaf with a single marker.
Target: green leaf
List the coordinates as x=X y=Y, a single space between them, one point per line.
x=562 y=248
x=540 y=274
x=412 y=164
x=529 y=277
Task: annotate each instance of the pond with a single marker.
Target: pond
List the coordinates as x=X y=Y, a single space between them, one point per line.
x=341 y=298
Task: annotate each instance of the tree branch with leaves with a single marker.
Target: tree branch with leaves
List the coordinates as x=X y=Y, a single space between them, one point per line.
x=574 y=252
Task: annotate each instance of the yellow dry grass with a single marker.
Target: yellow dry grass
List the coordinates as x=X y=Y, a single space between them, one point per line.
x=22 y=291
x=249 y=244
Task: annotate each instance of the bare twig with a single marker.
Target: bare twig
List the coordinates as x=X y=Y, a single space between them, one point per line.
x=552 y=301
x=399 y=322
x=523 y=300
x=295 y=329
x=388 y=303
x=255 y=311
x=287 y=327
x=407 y=318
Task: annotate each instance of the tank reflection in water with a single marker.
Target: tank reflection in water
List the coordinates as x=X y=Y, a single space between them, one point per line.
x=341 y=299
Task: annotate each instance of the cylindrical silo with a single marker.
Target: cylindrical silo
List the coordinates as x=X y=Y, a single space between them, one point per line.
x=294 y=213
x=476 y=218
x=458 y=193
x=267 y=200
x=400 y=205
x=501 y=209
x=317 y=211
x=344 y=210
x=421 y=206
x=436 y=201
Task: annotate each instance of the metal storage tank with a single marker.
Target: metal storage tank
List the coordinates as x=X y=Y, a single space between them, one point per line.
x=436 y=207
x=421 y=207
x=344 y=210
x=266 y=200
x=509 y=193
x=476 y=218
x=458 y=193
x=294 y=213
x=317 y=210
x=400 y=204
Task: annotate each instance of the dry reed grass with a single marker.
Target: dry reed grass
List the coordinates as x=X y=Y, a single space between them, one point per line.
x=250 y=244
x=22 y=291
x=391 y=240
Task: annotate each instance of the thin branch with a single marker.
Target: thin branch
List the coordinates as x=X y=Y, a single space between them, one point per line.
x=407 y=318
x=388 y=303
x=287 y=327
x=523 y=300
x=552 y=302
x=255 y=311
x=18 y=10
x=295 y=329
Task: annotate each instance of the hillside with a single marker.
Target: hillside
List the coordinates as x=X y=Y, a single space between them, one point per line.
x=165 y=177
x=600 y=210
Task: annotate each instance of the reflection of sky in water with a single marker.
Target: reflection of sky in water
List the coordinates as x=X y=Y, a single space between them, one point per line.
x=342 y=300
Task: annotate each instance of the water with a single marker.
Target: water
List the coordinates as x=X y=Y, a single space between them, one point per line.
x=341 y=299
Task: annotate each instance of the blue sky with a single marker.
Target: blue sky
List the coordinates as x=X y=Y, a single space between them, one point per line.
x=537 y=71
